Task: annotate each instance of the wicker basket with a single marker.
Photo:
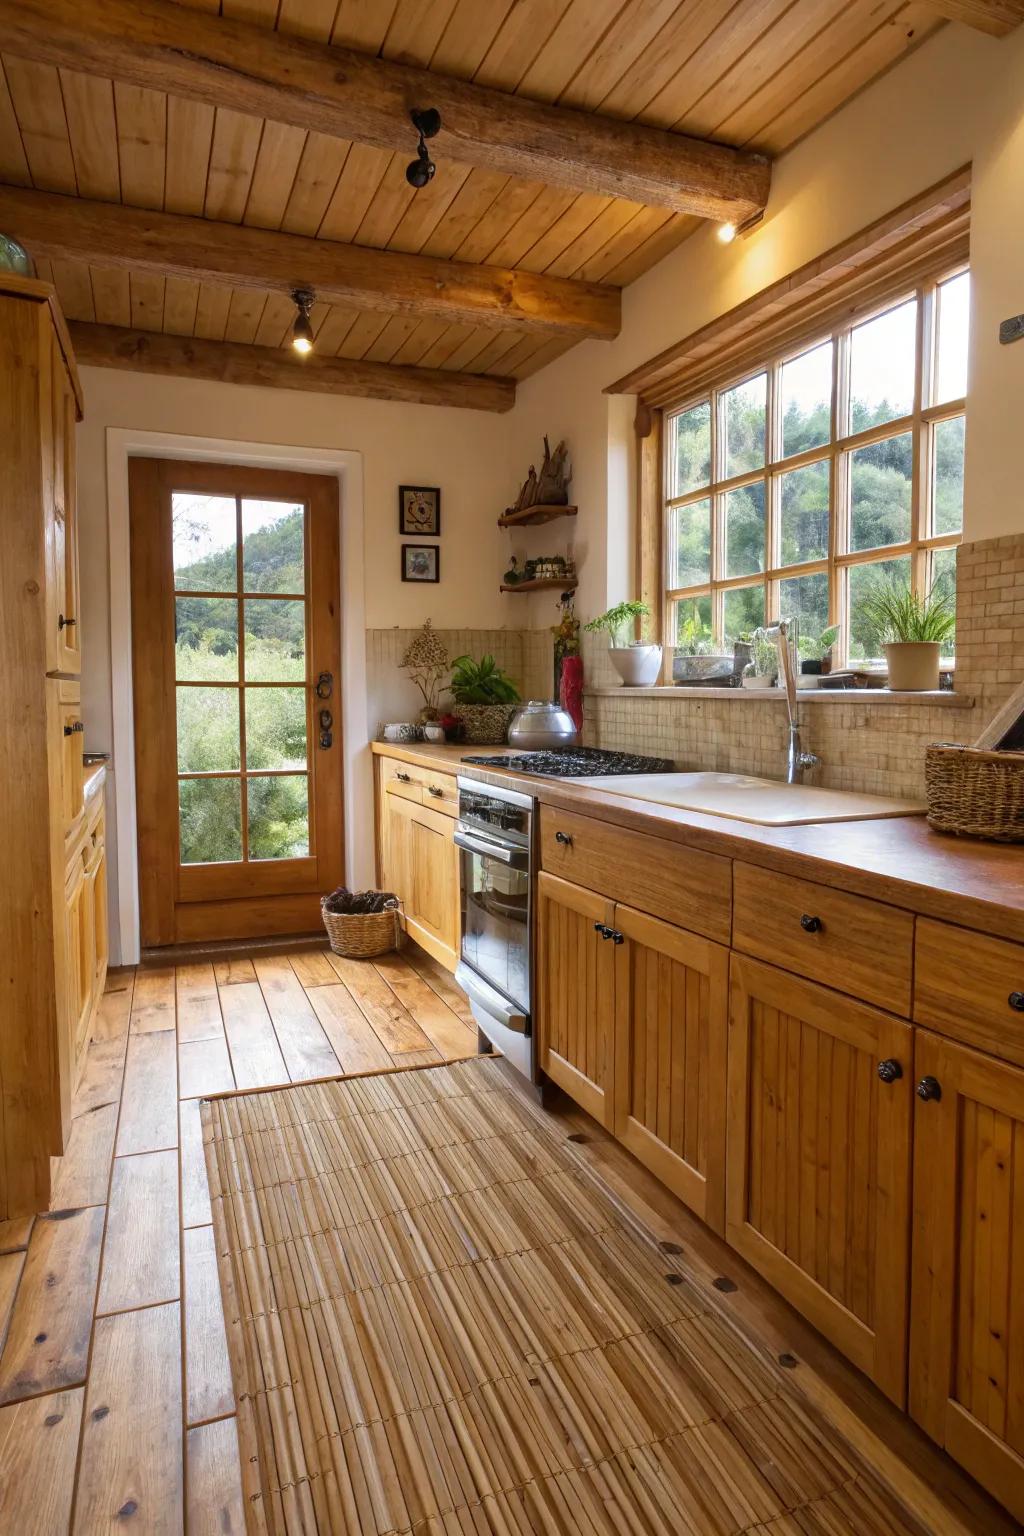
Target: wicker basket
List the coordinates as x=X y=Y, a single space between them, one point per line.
x=486 y=725
x=362 y=935
x=975 y=794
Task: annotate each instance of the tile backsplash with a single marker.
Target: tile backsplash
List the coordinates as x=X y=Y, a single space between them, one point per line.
x=525 y=654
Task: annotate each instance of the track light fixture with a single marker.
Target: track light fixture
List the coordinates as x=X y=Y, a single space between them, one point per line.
x=427 y=122
x=302 y=331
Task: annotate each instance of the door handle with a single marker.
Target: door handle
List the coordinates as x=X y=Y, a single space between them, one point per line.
x=326 y=737
x=325 y=685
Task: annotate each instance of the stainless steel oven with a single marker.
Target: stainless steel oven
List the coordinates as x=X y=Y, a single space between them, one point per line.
x=494 y=835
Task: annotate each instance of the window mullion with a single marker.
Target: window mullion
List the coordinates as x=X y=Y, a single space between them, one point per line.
x=839 y=491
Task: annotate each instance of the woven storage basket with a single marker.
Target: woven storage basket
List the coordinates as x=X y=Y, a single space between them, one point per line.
x=976 y=794
x=486 y=725
x=361 y=935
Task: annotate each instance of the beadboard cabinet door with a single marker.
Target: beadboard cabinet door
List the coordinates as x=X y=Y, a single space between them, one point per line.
x=967 y=1291
x=575 y=993
x=819 y=1159
x=671 y=1034
x=421 y=865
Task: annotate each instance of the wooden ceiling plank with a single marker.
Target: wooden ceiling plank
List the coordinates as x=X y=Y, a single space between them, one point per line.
x=332 y=333
x=996 y=17
x=189 y=140
x=429 y=207
x=669 y=50
x=308 y=18
x=361 y=335
x=439 y=351
x=415 y=31
x=906 y=31
x=13 y=164
x=522 y=236
x=517 y=357
x=111 y=295
x=35 y=92
x=472 y=27
x=74 y=289
x=673 y=232
x=92 y=132
x=494 y=350
x=471 y=206
x=157 y=44
x=276 y=321
x=147 y=296
x=610 y=222
x=394 y=336
x=521 y=37
x=323 y=160
x=361 y=175
x=390 y=201
x=141 y=144
x=626 y=39
x=236 y=143
x=260 y=13
x=277 y=165
x=244 y=315
x=578 y=31
x=468 y=348
x=362 y=24
x=181 y=300
x=730 y=41
x=423 y=339
x=266 y=368
x=565 y=231
x=621 y=245
x=212 y=311
x=540 y=359
x=236 y=256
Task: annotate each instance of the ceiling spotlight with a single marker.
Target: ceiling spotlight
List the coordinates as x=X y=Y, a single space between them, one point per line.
x=726 y=233
x=302 y=331
x=427 y=122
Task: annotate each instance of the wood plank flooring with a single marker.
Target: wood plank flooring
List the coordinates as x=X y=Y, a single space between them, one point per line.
x=116 y=1404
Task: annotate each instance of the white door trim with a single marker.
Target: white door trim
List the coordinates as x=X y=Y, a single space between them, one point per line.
x=347 y=465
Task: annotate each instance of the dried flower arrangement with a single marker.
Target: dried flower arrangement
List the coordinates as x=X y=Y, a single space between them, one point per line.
x=428 y=664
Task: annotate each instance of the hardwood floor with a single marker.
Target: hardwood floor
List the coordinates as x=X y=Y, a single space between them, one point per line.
x=114 y=1376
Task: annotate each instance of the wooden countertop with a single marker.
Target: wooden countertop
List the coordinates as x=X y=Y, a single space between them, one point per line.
x=92 y=778
x=899 y=860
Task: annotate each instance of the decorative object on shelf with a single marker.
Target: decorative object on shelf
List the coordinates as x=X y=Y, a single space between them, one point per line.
x=637 y=662
x=513 y=576
x=14 y=257
x=453 y=728
x=419 y=511
x=427 y=662
x=541 y=724
x=421 y=562
x=399 y=731
x=912 y=630
x=433 y=731
x=485 y=699
x=551 y=487
x=362 y=924
x=566 y=639
x=551 y=568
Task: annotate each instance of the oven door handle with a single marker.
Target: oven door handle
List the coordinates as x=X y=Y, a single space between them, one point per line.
x=515 y=858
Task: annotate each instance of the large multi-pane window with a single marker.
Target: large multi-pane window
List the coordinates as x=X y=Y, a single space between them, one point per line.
x=792 y=490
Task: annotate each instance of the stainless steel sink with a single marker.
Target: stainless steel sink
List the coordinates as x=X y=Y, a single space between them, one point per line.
x=764 y=802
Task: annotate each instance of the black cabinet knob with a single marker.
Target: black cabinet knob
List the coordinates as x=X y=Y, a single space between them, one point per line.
x=810 y=924
x=1016 y=1001
x=63 y=623
x=929 y=1088
x=890 y=1071
x=404 y=778
x=432 y=789
x=564 y=839
x=617 y=937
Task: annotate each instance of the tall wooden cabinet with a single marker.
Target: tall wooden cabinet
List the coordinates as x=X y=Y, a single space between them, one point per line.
x=51 y=936
x=416 y=853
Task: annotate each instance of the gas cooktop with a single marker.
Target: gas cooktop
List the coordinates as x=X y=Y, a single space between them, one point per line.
x=575 y=762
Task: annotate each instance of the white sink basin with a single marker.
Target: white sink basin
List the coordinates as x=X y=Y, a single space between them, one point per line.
x=765 y=802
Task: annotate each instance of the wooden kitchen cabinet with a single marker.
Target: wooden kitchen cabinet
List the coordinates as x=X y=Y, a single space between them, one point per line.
x=575 y=984
x=818 y=1155
x=967 y=1291
x=420 y=863
x=63 y=591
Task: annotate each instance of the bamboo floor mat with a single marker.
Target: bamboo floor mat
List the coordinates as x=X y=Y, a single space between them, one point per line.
x=440 y=1323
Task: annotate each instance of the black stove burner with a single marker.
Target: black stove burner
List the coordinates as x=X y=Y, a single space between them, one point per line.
x=576 y=763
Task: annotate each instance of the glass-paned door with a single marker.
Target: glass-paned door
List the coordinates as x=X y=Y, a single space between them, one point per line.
x=244 y=764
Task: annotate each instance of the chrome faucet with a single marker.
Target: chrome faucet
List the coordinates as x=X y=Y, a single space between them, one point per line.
x=796 y=759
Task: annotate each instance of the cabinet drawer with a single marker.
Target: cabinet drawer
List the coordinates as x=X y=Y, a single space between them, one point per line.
x=421 y=784
x=862 y=947
x=963 y=986
x=680 y=885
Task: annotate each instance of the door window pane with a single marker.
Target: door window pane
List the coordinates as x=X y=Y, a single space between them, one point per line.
x=882 y=364
x=278 y=817
x=865 y=641
x=691 y=544
x=275 y=728
x=275 y=640
x=208 y=735
x=273 y=546
x=210 y=820
x=206 y=639
x=805 y=400
x=880 y=481
x=693 y=625
x=204 y=533
x=743 y=413
x=948 y=472
x=805 y=598
x=954 y=321
x=691 y=458
x=744 y=530
x=744 y=612
x=805 y=513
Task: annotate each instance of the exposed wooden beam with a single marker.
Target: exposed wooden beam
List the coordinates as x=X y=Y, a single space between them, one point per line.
x=337 y=91
x=51 y=226
x=996 y=17
x=229 y=362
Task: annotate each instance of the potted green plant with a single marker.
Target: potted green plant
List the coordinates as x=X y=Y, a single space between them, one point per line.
x=485 y=699
x=637 y=662
x=912 y=630
x=815 y=652
x=763 y=668
x=695 y=656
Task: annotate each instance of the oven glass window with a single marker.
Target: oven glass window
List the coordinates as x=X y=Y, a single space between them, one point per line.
x=496 y=924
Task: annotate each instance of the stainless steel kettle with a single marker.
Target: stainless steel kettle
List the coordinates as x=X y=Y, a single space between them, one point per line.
x=539 y=723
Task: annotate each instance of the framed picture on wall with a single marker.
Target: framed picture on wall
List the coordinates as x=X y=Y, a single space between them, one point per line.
x=419 y=511
x=421 y=562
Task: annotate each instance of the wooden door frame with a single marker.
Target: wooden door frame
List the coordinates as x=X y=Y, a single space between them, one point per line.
x=285 y=901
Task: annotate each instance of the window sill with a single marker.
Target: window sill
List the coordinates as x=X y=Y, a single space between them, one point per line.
x=941 y=699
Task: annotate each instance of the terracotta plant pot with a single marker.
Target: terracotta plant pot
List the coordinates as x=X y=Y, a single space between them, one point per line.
x=637 y=665
x=913 y=666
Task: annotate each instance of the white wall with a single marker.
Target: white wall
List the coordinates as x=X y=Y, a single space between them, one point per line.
x=958 y=99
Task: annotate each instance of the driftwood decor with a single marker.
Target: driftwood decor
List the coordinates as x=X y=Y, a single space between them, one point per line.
x=551 y=487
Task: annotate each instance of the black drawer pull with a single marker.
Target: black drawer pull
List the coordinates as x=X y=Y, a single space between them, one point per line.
x=404 y=778
x=604 y=930
x=1016 y=1001
x=75 y=729
x=432 y=789
x=811 y=924
x=929 y=1088
x=63 y=623
x=890 y=1071
x=617 y=937
x=564 y=839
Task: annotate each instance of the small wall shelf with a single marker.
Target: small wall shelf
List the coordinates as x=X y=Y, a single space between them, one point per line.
x=539 y=514
x=563 y=584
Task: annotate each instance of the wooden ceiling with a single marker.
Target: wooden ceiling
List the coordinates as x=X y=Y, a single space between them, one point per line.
x=747 y=73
